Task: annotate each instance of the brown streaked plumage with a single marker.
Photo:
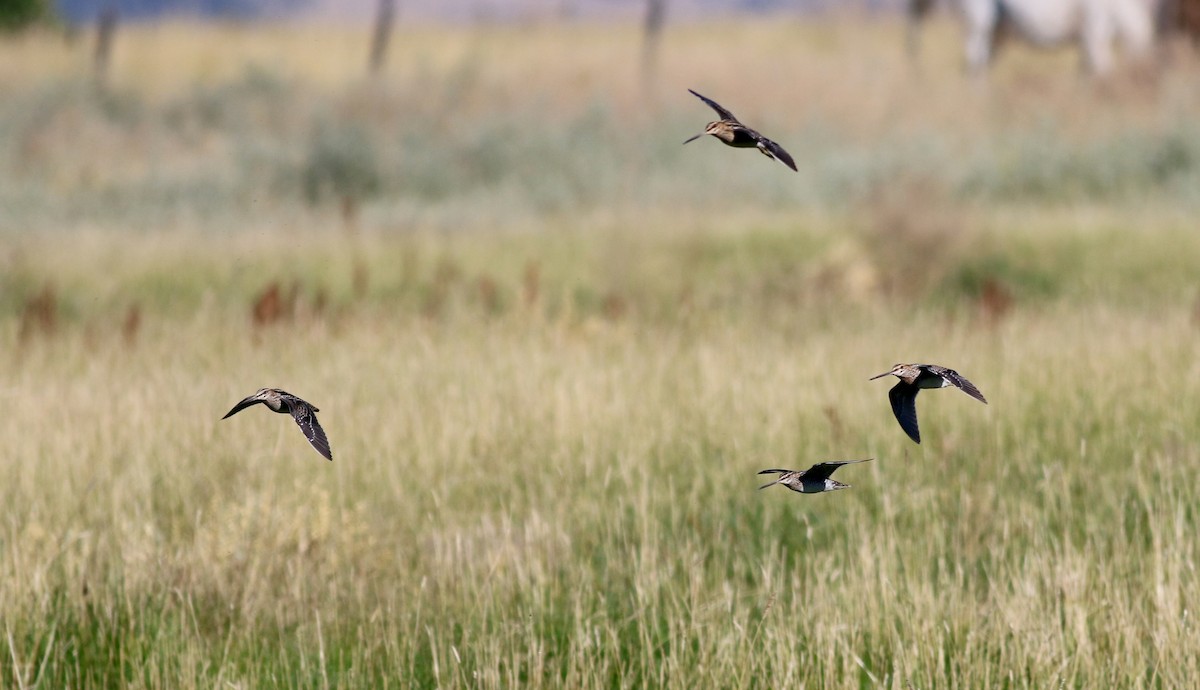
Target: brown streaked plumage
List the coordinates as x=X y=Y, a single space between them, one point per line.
x=914 y=377
x=733 y=133
x=814 y=480
x=303 y=412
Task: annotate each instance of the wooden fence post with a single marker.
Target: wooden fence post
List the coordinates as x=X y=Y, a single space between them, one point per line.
x=656 y=11
x=106 y=28
x=382 y=35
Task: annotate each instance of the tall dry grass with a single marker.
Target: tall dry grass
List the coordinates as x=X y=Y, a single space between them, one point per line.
x=550 y=496
x=550 y=360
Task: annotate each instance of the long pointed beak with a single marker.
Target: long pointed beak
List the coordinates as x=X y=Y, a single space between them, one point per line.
x=246 y=402
x=695 y=137
x=886 y=373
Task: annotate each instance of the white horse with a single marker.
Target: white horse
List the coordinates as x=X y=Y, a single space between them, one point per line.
x=1095 y=24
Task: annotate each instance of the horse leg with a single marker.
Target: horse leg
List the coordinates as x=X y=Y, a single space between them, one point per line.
x=979 y=52
x=1097 y=38
x=981 y=17
x=1133 y=22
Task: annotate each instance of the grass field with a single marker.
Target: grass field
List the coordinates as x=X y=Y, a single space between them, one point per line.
x=552 y=348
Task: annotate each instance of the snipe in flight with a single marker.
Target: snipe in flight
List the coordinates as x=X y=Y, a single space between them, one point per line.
x=914 y=377
x=814 y=480
x=729 y=130
x=286 y=403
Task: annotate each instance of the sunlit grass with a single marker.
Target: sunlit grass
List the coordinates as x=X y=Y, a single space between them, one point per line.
x=551 y=348
x=553 y=495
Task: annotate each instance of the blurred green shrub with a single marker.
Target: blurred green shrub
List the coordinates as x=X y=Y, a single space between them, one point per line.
x=20 y=14
x=972 y=276
x=1042 y=167
x=341 y=164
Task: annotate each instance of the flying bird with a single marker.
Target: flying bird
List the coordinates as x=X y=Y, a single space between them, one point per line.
x=914 y=377
x=814 y=480
x=286 y=403
x=733 y=133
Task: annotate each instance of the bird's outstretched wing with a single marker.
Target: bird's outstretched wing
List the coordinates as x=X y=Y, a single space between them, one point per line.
x=773 y=150
x=958 y=381
x=823 y=470
x=721 y=112
x=307 y=420
x=904 y=406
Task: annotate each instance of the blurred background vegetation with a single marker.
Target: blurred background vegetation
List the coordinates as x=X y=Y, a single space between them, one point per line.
x=473 y=128
x=551 y=347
